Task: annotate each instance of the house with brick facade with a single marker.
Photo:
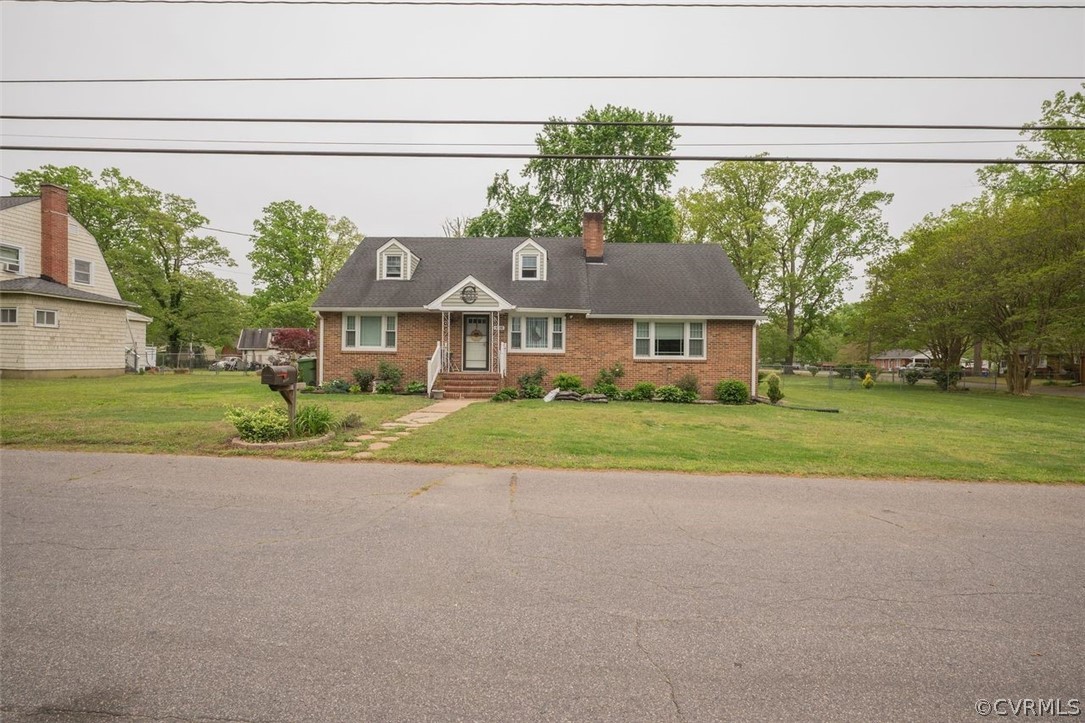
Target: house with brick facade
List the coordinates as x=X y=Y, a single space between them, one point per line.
x=60 y=311
x=471 y=315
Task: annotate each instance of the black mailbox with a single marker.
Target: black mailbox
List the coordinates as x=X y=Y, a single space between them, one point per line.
x=279 y=378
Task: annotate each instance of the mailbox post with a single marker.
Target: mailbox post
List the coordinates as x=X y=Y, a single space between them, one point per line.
x=284 y=380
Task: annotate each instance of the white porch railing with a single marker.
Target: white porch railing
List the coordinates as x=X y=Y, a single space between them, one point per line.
x=502 y=359
x=433 y=368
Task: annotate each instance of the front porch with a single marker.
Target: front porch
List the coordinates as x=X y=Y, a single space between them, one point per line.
x=470 y=360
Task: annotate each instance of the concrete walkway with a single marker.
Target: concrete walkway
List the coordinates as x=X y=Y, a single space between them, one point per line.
x=389 y=432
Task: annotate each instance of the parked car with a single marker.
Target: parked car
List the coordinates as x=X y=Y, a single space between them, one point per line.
x=226 y=364
x=923 y=367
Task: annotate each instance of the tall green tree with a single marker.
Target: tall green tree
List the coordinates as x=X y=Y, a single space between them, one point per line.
x=1052 y=139
x=794 y=233
x=296 y=251
x=631 y=194
x=155 y=252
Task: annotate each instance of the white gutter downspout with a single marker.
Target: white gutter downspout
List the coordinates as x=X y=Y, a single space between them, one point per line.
x=320 y=352
x=753 y=363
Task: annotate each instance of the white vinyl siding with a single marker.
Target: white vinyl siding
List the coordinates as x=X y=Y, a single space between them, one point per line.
x=537 y=333
x=45 y=317
x=11 y=259
x=669 y=339
x=529 y=262
x=395 y=262
x=369 y=332
x=82 y=272
x=9 y=315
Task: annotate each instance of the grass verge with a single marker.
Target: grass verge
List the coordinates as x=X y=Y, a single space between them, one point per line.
x=888 y=431
x=162 y=414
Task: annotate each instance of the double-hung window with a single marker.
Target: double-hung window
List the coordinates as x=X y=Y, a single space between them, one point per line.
x=82 y=272
x=537 y=333
x=9 y=315
x=365 y=332
x=393 y=266
x=669 y=339
x=11 y=259
x=529 y=266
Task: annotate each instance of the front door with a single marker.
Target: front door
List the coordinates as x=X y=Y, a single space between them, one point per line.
x=476 y=342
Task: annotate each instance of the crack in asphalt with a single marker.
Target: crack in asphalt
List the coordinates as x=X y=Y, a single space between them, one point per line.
x=659 y=669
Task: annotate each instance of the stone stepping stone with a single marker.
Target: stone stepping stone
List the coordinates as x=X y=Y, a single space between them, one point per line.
x=362 y=455
x=406 y=433
x=360 y=437
x=389 y=439
x=378 y=445
x=388 y=425
x=354 y=444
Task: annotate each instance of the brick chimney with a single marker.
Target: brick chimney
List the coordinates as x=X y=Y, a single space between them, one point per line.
x=54 y=233
x=593 y=236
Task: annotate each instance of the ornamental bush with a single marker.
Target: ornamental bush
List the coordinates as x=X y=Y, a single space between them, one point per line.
x=505 y=395
x=568 y=382
x=946 y=379
x=868 y=381
x=269 y=423
x=610 y=376
x=912 y=376
x=642 y=392
x=732 y=391
x=313 y=420
x=609 y=389
x=336 y=386
x=671 y=393
x=531 y=391
x=775 y=393
x=386 y=387
x=689 y=383
x=389 y=373
x=364 y=379
x=415 y=387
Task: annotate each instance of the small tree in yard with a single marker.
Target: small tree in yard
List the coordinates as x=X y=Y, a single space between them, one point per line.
x=296 y=342
x=775 y=393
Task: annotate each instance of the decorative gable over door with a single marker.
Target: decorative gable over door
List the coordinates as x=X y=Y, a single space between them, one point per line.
x=469 y=295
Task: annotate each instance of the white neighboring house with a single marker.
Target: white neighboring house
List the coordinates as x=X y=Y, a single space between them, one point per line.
x=60 y=312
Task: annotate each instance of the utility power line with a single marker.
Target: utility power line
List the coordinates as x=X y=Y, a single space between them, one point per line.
x=533 y=156
x=579 y=4
x=485 y=122
x=485 y=78
x=494 y=145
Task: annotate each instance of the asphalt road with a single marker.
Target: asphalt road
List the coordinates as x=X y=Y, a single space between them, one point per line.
x=174 y=588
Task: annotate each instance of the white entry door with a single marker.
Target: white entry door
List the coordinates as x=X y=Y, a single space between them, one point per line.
x=476 y=342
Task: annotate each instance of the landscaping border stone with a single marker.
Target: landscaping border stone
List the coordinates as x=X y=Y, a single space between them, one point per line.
x=294 y=443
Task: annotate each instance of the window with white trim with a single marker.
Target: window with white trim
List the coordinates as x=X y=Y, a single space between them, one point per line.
x=537 y=333
x=393 y=266
x=529 y=266
x=11 y=259
x=82 y=272
x=9 y=315
x=361 y=331
x=669 y=339
x=45 y=317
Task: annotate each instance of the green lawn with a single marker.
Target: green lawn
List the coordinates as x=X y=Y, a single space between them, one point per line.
x=889 y=431
x=175 y=414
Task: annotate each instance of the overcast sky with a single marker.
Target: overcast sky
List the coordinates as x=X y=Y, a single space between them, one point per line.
x=386 y=197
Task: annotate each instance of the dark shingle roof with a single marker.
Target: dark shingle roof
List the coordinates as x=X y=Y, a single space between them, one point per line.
x=41 y=287
x=254 y=339
x=7 y=202
x=634 y=279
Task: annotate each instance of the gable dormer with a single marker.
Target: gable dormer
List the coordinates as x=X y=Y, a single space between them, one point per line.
x=395 y=262
x=529 y=262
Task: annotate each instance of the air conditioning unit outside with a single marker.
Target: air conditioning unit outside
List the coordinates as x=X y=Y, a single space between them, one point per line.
x=11 y=268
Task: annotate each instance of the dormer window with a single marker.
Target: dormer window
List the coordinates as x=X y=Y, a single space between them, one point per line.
x=529 y=266
x=395 y=262
x=529 y=262
x=393 y=266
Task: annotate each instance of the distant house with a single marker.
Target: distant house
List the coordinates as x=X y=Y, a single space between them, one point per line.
x=473 y=314
x=257 y=346
x=894 y=359
x=60 y=311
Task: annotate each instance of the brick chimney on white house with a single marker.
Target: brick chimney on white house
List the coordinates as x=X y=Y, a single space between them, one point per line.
x=54 y=233
x=593 y=236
